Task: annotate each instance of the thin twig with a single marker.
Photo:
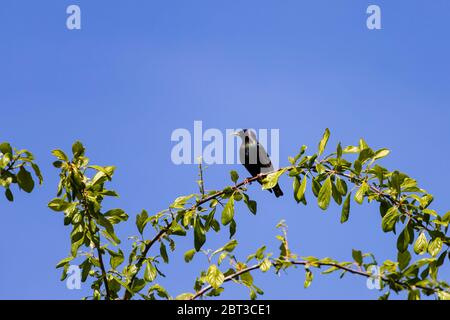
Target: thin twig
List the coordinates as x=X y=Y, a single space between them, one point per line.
x=97 y=245
x=202 y=182
x=235 y=275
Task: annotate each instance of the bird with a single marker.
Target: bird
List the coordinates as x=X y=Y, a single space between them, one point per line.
x=254 y=157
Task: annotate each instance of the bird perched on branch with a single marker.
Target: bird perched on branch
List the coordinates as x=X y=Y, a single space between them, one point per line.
x=254 y=157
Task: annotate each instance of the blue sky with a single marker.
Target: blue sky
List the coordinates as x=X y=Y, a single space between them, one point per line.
x=140 y=69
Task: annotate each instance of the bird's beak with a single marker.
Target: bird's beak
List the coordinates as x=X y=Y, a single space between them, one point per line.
x=235 y=133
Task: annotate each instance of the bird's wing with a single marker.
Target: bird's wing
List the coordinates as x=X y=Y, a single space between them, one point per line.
x=247 y=155
x=264 y=160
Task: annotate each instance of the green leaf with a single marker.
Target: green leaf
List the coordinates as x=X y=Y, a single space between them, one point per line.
x=341 y=186
x=324 y=196
x=5 y=148
x=358 y=166
x=86 y=266
x=109 y=228
x=446 y=217
x=116 y=215
x=298 y=156
x=359 y=195
x=141 y=221
x=362 y=144
x=316 y=186
x=308 y=278
x=229 y=247
x=346 y=208
x=58 y=205
x=381 y=154
x=25 y=180
x=403 y=259
x=161 y=291
x=403 y=240
x=246 y=278
x=395 y=181
x=271 y=180
x=339 y=151
x=210 y=219
x=222 y=256
x=189 y=255
x=390 y=219
x=150 y=272
x=163 y=252
x=324 y=141
x=37 y=172
x=413 y=295
x=300 y=188
x=78 y=149
x=181 y=201
x=351 y=149
x=64 y=262
x=443 y=295
x=365 y=155
x=357 y=256
x=228 y=212
x=215 y=277
x=199 y=234
x=265 y=265
x=185 y=296
x=60 y=155
x=103 y=172
x=234 y=176
x=435 y=247
x=232 y=228
x=177 y=230
x=336 y=194
x=116 y=259
x=421 y=244
x=251 y=204
x=9 y=195
x=75 y=245
x=259 y=254
x=57 y=164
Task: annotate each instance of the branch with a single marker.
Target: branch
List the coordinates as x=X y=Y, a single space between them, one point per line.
x=356 y=179
x=201 y=182
x=388 y=197
x=228 y=278
x=141 y=260
x=10 y=165
x=233 y=276
x=164 y=231
x=97 y=245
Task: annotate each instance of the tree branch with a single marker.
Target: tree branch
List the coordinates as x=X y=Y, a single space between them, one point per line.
x=356 y=179
x=164 y=231
x=228 y=278
x=97 y=246
x=233 y=276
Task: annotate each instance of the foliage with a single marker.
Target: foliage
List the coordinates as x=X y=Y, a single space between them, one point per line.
x=13 y=170
x=422 y=240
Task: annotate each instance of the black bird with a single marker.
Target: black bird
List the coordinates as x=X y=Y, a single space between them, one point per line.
x=254 y=157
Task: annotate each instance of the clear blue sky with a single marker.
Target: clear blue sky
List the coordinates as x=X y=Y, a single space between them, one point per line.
x=139 y=69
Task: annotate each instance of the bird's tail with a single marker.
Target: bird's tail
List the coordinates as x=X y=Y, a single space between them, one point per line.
x=277 y=191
